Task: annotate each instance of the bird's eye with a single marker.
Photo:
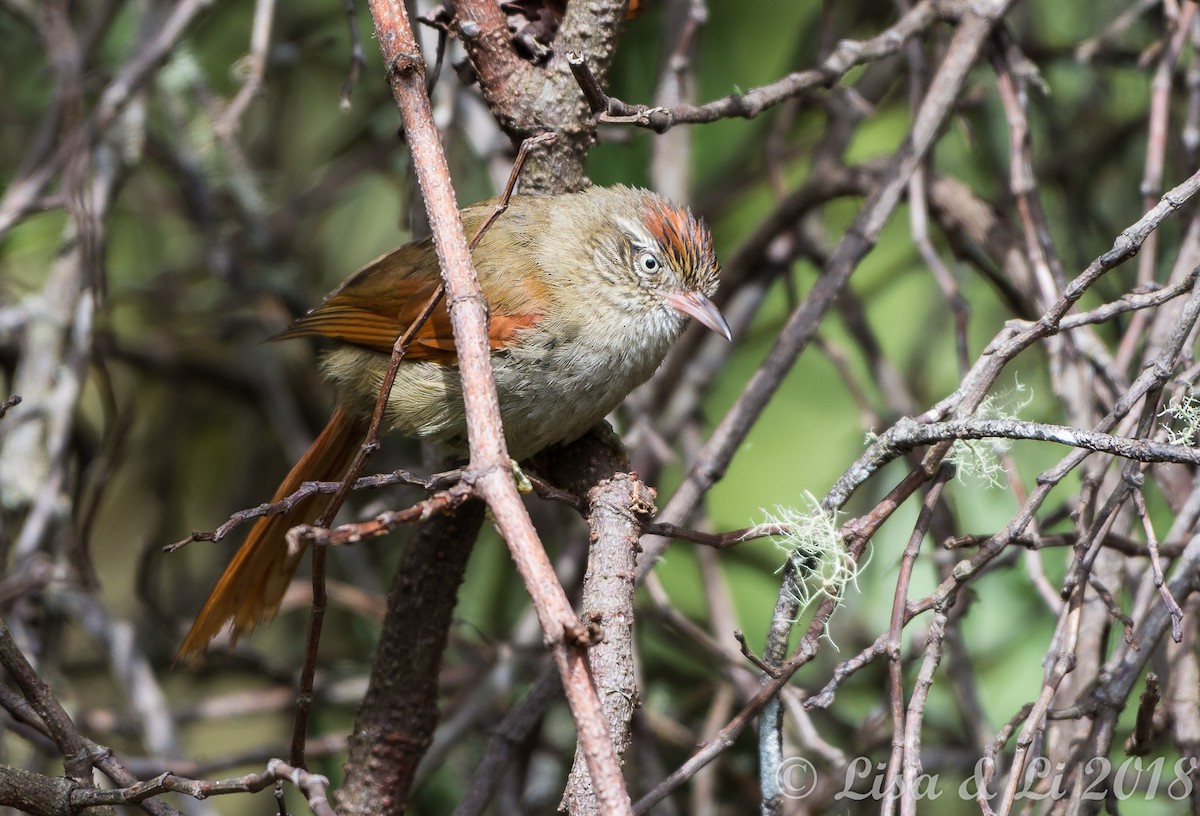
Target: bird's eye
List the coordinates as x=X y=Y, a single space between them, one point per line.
x=648 y=263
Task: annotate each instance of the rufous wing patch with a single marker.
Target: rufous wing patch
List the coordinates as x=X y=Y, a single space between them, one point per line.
x=372 y=316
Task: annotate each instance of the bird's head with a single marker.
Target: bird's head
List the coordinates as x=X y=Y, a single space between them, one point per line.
x=671 y=253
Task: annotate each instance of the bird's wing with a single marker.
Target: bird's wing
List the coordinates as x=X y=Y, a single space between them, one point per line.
x=379 y=302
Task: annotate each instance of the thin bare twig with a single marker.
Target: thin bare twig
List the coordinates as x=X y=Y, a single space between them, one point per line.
x=314 y=787
x=845 y=56
x=76 y=758
x=9 y=403
x=255 y=66
x=1139 y=502
x=357 y=59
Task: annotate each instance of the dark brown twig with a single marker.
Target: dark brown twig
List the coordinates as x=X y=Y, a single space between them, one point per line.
x=76 y=757
x=11 y=402
x=845 y=56
x=749 y=654
x=396 y=477
x=357 y=59
x=1120 y=543
x=314 y=787
x=441 y=502
x=1141 y=741
x=395 y=723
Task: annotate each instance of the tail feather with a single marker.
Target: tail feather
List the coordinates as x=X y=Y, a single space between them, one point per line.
x=252 y=586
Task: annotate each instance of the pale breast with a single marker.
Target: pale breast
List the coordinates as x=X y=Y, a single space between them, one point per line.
x=556 y=391
x=553 y=385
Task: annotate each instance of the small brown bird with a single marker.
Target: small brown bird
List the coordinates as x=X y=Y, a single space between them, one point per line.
x=586 y=291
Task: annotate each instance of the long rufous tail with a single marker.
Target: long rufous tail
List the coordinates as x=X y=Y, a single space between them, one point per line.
x=253 y=585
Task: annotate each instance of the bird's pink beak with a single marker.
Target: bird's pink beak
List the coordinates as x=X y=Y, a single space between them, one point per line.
x=701 y=308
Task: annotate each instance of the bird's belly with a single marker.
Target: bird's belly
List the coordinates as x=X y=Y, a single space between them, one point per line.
x=554 y=398
x=546 y=396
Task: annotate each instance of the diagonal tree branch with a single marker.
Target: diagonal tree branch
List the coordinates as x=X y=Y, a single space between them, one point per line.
x=490 y=468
